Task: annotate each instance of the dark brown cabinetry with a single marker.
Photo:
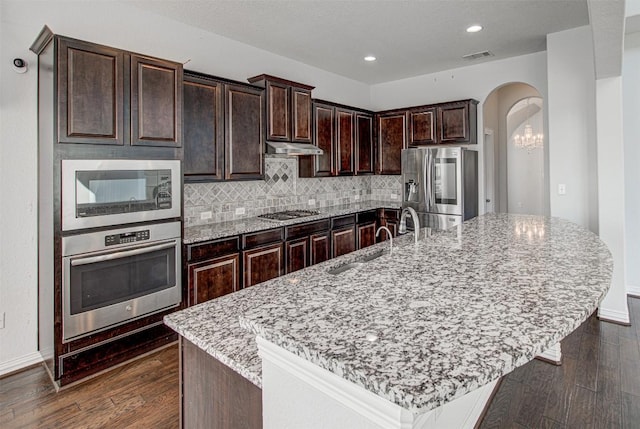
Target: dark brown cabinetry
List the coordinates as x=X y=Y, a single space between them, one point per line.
x=110 y=96
x=156 y=102
x=366 y=228
x=213 y=269
x=288 y=109
x=90 y=93
x=344 y=142
x=392 y=138
x=262 y=264
x=390 y=219
x=244 y=144
x=324 y=138
x=306 y=244
x=422 y=126
x=364 y=147
x=222 y=129
x=343 y=235
x=457 y=122
x=262 y=257
x=203 y=129
x=346 y=137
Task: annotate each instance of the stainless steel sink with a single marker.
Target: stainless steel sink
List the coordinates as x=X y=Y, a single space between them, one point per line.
x=355 y=264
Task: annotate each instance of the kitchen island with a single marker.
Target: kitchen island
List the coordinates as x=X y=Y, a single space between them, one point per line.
x=421 y=326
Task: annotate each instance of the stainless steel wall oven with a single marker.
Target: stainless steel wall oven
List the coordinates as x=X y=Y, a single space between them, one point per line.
x=112 y=277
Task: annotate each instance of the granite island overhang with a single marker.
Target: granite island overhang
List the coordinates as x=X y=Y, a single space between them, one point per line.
x=454 y=312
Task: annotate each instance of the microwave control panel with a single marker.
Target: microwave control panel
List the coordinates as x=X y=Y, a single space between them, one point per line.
x=127 y=237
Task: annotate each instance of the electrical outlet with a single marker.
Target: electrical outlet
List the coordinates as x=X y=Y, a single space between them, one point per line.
x=562 y=189
x=394 y=196
x=312 y=202
x=357 y=197
x=205 y=215
x=240 y=210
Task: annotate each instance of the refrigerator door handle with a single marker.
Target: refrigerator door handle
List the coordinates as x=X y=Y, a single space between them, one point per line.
x=428 y=186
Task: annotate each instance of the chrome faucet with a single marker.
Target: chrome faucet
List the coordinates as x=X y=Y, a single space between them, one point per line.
x=403 y=222
x=390 y=237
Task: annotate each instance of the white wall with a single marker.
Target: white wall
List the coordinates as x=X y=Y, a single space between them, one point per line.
x=631 y=115
x=122 y=26
x=572 y=132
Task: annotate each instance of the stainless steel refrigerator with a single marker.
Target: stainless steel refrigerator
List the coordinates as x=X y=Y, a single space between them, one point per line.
x=440 y=184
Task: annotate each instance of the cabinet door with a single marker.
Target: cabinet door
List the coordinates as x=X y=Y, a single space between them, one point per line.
x=344 y=141
x=301 y=124
x=344 y=241
x=391 y=140
x=243 y=133
x=323 y=135
x=320 y=250
x=454 y=123
x=213 y=278
x=262 y=264
x=296 y=254
x=156 y=102
x=422 y=127
x=366 y=235
x=364 y=144
x=90 y=93
x=278 y=112
x=203 y=130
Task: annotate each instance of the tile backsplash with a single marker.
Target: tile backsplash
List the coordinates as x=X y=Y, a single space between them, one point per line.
x=281 y=189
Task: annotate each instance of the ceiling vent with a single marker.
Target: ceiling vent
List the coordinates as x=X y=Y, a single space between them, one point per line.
x=477 y=55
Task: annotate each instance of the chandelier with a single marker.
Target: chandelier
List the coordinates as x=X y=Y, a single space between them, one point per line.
x=528 y=140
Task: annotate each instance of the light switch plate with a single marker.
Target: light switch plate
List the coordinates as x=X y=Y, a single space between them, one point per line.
x=240 y=210
x=205 y=215
x=312 y=202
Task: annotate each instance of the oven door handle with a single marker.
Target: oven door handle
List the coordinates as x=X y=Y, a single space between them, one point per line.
x=120 y=255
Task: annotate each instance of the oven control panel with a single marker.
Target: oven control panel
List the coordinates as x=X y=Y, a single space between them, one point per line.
x=126 y=237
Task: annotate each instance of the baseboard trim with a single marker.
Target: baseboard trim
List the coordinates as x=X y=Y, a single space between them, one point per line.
x=633 y=290
x=20 y=363
x=614 y=316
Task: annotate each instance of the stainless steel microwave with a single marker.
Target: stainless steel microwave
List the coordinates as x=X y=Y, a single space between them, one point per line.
x=98 y=193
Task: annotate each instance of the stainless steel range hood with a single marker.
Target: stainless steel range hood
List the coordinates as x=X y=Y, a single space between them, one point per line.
x=293 y=148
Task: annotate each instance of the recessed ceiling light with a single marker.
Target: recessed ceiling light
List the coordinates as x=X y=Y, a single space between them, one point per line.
x=474 y=28
x=369 y=58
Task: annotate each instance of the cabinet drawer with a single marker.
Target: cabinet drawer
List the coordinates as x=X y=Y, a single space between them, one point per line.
x=390 y=214
x=301 y=230
x=340 y=221
x=263 y=237
x=366 y=217
x=212 y=249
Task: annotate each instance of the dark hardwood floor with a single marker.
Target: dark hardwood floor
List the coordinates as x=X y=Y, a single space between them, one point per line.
x=597 y=386
x=141 y=394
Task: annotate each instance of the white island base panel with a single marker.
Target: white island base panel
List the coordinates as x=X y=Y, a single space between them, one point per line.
x=299 y=394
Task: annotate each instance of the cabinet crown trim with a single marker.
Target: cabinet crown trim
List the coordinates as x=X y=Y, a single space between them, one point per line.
x=262 y=78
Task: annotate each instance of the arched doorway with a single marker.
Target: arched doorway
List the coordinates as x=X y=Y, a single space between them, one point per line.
x=515 y=173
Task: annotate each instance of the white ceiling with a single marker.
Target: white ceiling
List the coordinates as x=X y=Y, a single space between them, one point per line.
x=409 y=37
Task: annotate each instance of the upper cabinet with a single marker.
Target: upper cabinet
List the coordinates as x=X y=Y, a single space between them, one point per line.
x=392 y=138
x=109 y=96
x=457 y=122
x=288 y=109
x=422 y=126
x=156 y=102
x=223 y=129
x=345 y=136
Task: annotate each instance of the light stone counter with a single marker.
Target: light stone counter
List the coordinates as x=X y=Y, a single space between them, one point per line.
x=456 y=311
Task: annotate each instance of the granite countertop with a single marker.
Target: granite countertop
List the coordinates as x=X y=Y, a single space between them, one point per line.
x=452 y=313
x=213 y=231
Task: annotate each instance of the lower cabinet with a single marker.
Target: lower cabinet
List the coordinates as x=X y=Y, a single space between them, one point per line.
x=343 y=240
x=320 y=249
x=296 y=254
x=262 y=264
x=213 y=278
x=366 y=234
x=388 y=218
